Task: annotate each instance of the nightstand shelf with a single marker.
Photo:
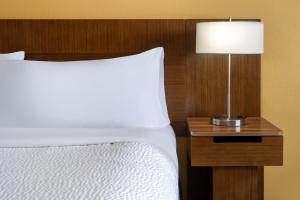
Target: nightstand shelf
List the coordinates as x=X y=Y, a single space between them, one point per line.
x=236 y=155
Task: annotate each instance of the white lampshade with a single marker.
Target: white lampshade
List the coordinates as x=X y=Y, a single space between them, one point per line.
x=238 y=37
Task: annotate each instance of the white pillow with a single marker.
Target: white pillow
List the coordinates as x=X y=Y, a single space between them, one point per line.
x=20 y=55
x=119 y=92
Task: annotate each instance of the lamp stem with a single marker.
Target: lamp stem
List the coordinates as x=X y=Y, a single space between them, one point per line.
x=229 y=88
x=229 y=85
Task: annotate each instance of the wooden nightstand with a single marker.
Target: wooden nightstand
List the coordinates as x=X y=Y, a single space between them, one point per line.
x=236 y=155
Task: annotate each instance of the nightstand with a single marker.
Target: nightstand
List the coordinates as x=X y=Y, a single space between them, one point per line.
x=235 y=155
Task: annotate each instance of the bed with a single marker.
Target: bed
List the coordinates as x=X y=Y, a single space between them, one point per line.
x=191 y=81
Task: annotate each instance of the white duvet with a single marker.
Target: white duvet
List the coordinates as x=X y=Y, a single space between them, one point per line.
x=89 y=164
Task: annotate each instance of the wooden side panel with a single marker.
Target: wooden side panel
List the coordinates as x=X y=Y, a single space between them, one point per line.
x=245 y=85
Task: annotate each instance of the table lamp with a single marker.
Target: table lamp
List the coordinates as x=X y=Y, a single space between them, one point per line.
x=229 y=37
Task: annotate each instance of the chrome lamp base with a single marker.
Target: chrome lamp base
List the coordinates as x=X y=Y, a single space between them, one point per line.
x=225 y=121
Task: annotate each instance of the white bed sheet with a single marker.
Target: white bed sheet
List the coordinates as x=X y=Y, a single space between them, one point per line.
x=162 y=138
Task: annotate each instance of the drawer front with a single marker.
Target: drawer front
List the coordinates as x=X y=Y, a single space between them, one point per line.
x=236 y=151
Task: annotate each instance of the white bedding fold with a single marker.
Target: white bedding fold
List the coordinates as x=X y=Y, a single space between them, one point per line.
x=90 y=164
x=162 y=138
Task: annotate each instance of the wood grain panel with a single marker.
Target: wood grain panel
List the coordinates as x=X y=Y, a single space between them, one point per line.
x=92 y=36
x=245 y=85
x=268 y=152
x=236 y=183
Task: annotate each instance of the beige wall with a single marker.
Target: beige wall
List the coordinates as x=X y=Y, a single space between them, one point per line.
x=280 y=63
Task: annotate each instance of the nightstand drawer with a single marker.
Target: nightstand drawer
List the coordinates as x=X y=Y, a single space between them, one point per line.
x=236 y=151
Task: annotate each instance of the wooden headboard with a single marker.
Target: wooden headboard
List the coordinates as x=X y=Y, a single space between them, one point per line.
x=195 y=84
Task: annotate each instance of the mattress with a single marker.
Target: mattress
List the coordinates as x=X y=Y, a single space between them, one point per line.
x=108 y=164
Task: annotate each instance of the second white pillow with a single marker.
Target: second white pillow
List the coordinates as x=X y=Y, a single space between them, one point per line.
x=20 y=55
